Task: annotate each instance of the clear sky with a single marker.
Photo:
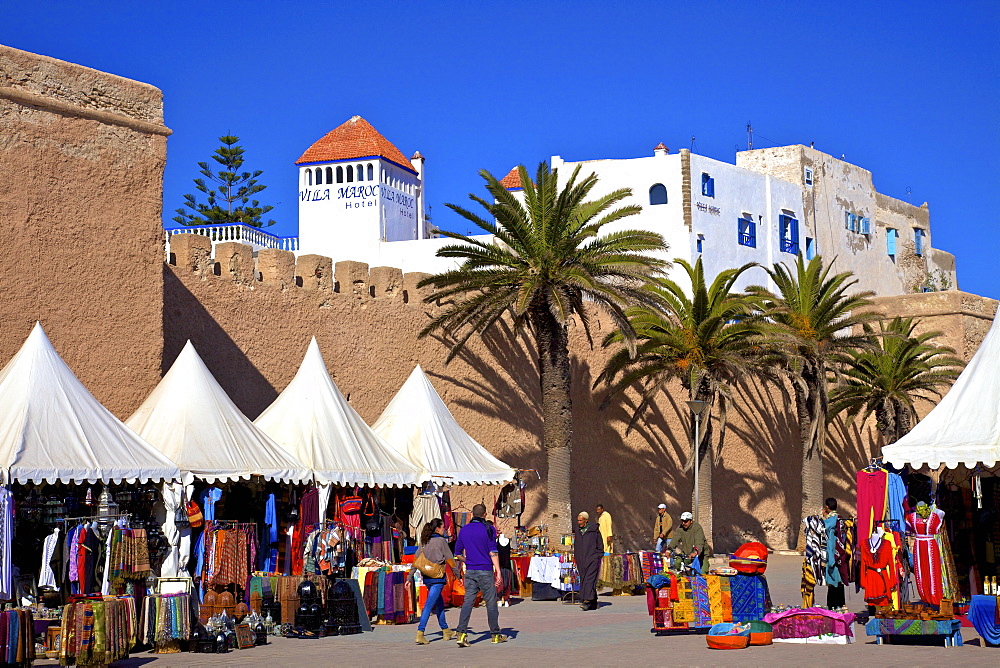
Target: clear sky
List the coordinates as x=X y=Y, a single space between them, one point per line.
x=908 y=90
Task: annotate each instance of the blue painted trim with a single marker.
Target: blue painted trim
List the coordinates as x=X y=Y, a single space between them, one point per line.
x=352 y=160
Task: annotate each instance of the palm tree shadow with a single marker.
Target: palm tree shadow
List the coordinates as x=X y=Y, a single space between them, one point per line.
x=765 y=418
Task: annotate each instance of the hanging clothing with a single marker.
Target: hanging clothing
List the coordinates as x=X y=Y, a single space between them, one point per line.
x=269 y=537
x=425 y=508
x=879 y=575
x=6 y=538
x=927 y=555
x=831 y=572
x=872 y=490
x=46 y=576
x=895 y=501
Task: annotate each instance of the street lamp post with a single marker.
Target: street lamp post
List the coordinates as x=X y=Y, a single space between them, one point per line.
x=697 y=407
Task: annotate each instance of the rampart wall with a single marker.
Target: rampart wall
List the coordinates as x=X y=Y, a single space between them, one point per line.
x=252 y=318
x=81 y=182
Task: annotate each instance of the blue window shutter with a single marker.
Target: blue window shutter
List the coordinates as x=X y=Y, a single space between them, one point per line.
x=891 y=241
x=847 y=220
x=711 y=187
x=918 y=241
x=866 y=226
x=794 y=225
x=704 y=184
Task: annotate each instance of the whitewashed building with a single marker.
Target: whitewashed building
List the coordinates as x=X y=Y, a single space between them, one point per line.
x=361 y=199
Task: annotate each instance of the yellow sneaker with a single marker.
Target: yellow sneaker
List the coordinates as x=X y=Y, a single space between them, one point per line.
x=498 y=638
x=463 y=640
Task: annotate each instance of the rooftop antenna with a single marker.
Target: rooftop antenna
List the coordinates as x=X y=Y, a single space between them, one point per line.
x=749 y=136
x=909 y=191
x=692 y=144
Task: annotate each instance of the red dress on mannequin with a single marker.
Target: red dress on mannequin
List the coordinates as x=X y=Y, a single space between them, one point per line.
x=878 y=571
x=927 y=555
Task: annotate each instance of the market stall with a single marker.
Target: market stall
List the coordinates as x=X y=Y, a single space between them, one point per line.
x=83 y=486
x=189 y=418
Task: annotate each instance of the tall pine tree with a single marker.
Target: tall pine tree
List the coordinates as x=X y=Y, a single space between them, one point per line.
x=229 y=197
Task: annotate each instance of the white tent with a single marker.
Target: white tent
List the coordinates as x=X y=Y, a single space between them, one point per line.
x=191 y=419
x=964 y=428
x=52 y=428
x=313 y=421
x=419 y=426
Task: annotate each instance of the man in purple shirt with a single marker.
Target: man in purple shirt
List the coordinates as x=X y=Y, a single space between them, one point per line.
x=477 y=547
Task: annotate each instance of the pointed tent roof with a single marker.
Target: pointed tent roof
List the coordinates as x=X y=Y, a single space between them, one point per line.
x=313 y=421
x=191 y=419
x=419 y=426
x=355 y=138
x=964 y=428
x=52 y=428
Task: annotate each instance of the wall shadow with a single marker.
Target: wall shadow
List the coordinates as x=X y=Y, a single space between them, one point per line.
x=184 y=317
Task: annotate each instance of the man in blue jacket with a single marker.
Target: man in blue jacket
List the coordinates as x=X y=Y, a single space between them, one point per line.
x=477 y=547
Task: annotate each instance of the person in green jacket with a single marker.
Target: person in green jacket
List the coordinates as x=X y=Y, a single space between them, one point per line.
x=689 y=542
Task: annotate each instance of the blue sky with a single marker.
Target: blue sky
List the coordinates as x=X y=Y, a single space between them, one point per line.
x=908 y=90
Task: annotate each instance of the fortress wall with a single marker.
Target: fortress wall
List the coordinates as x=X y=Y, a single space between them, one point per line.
x=81 y=157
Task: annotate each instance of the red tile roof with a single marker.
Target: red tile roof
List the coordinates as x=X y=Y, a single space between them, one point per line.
x=512 y=180
x=355 y=138
x=661 y=145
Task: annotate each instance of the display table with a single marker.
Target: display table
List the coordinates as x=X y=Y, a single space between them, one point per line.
x=883 y=630
x=983 y=615
x=812 y=625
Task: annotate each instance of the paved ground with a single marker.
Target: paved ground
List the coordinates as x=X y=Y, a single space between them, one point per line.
x=555 y=634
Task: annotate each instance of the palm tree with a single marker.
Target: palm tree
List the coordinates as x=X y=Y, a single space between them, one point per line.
x=898 y=367
x=814 y=319
x=706 y=338
x=548 y=259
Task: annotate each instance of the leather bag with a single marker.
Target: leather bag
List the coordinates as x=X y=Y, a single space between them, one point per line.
x=428 y=568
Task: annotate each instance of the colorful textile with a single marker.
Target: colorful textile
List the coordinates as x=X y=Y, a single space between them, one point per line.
x=872 y=493
x=719 y=599
x=809 y=622
x=749 y=596
x=927 y=555
x=915 y=627
x=878 y=571
x=808 y=584
x=683 y=609
x=983 y=614
x=896 y=497
x=702 y=605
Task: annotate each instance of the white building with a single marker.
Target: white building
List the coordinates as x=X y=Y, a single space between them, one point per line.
x=361 y=199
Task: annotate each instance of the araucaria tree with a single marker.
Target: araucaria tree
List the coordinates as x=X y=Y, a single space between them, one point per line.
x=898 y=367
x=547 y=260
x=815 y=320
x=229 y=196
x=707 y=337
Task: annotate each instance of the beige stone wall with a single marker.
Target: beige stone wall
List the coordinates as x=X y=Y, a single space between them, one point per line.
x=81 y=158
x=839 y=186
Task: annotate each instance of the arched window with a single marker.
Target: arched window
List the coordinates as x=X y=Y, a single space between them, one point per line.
x=340 y=174
x=658 y=194
x=319 y=176
x=309 y=177
x=350 y=173
x=329 y=174
x=361 y=172
x=371 y=172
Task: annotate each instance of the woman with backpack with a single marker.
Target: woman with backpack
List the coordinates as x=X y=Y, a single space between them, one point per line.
x=431 y=560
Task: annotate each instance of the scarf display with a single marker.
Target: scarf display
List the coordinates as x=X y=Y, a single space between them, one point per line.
x=96 y=632
x=328 y=548
x=620 y=571
x=17 y=638
x=651 y=563
x=129 y=555
x=230 y=550
x=388 y=594
x=165 y=618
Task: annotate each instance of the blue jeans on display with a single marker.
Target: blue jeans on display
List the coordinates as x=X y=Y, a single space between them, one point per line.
x=475 y=582
x=434 y=604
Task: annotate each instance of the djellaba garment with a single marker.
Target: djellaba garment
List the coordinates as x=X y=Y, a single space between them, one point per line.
x=927 y=555
x=588 y=551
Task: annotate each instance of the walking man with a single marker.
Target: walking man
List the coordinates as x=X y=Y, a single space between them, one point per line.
x=663 y=527
x=588 y=551
x=477 y=545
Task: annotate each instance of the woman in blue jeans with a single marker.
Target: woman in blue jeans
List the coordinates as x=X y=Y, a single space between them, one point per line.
x=435 y=548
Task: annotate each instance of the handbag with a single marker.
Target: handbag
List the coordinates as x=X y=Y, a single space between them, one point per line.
x=194 y=514
x=351 y=505
x=428 y=568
